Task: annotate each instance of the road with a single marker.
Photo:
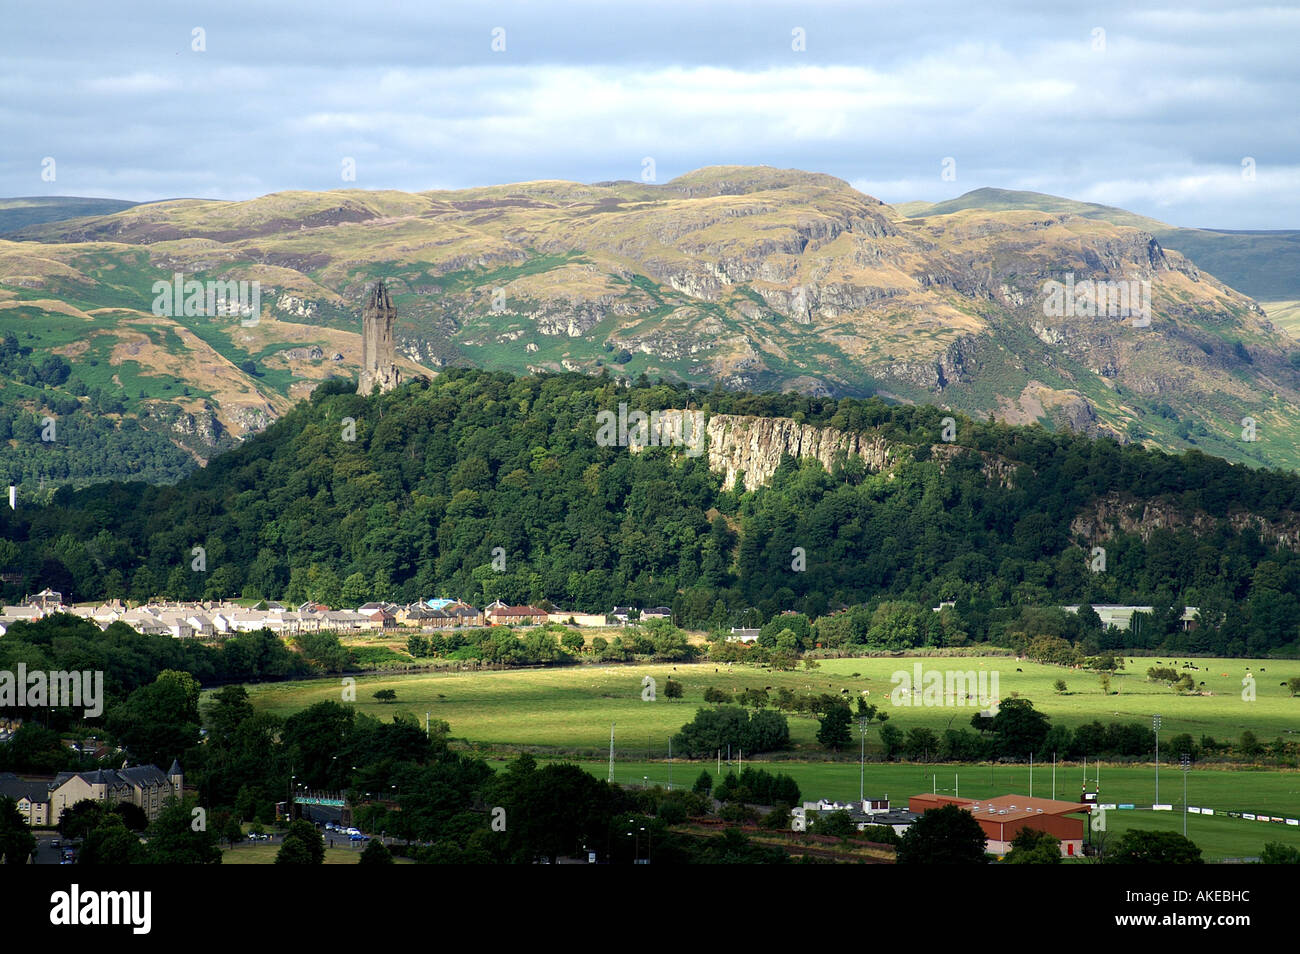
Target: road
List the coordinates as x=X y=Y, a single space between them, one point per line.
x=46 y=853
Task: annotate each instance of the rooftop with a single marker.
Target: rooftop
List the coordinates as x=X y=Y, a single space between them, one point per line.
x=1004 y=808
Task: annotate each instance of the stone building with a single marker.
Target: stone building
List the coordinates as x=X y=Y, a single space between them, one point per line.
x=378 y=366
x=145 y=786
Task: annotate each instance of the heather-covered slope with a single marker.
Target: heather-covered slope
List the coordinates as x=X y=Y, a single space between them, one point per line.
x=747 y=277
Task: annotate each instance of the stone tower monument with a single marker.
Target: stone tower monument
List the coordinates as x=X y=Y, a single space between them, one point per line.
x=377 y=364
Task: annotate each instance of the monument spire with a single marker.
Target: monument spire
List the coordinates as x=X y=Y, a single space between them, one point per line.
x=378 y=366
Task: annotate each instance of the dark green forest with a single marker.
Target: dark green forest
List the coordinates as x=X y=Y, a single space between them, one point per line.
x=441 y=472
x=91 y=439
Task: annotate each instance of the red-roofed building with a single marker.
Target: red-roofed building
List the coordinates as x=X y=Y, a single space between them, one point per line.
x=1002 y=818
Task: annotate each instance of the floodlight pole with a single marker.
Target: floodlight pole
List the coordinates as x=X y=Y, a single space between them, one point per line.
x=1155 y=727
x=862 y=761
x=611 y=752
x=1186 y=760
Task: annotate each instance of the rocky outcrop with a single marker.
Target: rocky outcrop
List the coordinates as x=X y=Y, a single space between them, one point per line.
x=1117 y=513
x=995 y=468
x=298 y=307
x=755 y=446
x=251 y=419
x=953 y=366
x=200 y=430
x=573 y=318
x=805 y=302
x=377 y=353
x=1077 y=414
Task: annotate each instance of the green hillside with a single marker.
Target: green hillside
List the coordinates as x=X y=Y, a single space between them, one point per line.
x=441 y=473
x=750 y=278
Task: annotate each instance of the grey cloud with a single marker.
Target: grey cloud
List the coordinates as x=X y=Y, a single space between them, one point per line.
x=1157 y=122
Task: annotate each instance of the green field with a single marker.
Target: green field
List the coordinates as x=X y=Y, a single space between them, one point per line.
x=569 y=711
x=1284 y=314
x=264 y=854
x=1219 y=837
x=562 y=713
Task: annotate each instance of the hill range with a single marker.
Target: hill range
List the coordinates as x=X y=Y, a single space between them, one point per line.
x=743 y=277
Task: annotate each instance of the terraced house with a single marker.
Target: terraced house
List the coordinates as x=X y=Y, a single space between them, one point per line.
x=145 y=786
x=499 y=614
x=33 y=798
x=43 y=801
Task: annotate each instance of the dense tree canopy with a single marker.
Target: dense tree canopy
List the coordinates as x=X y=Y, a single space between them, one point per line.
x=443 y=472
x=943 y=836
x=1138 y=847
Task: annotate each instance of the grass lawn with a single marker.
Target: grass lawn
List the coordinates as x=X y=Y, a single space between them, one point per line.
x=566 y=713
x=569 y=710
x=264 y=854
x=1284 y=314
x=1219 y=837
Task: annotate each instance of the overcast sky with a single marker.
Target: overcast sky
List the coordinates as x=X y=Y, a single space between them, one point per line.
x=1152 y=109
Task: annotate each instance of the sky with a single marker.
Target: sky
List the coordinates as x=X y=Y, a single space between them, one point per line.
x=1185 y=113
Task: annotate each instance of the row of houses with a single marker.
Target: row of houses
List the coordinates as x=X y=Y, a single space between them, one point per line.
x=207 y=620
x=43 y=801
x=864 y=813
x=1121 y=617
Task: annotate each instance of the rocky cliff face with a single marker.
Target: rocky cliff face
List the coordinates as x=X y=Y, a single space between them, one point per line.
x=1117 y=513
x=199 y=431
x=754 y=446
x=995 y=468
